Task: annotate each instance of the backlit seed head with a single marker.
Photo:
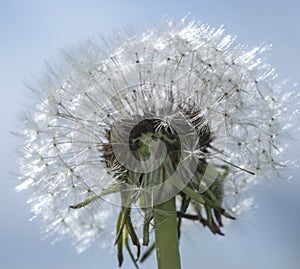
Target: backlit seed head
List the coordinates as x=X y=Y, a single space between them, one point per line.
x=179 y=110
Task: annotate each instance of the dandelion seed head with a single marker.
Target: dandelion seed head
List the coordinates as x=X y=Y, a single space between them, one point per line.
x=180 y=95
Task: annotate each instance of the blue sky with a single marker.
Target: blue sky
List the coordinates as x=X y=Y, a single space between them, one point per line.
x=34 y=31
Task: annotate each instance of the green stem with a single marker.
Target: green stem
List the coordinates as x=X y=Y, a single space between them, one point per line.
x=166 y=235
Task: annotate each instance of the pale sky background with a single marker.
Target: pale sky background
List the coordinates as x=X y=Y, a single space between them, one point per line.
x=34 y=31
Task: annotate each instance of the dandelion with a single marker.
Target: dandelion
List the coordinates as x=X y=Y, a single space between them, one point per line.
x=165 y=126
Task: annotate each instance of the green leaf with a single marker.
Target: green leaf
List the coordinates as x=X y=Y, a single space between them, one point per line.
x=121 y=223
x=211 y=223
x=119 y=240
x=111 y=189
x=147 y=220
x=184 y=206
x=194 y=195
x=147 y=252
x=182 y=186
x=133 y=236
x=198 y=210
x=129 y=249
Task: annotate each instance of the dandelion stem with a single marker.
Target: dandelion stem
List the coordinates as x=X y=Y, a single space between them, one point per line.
x=166 y=235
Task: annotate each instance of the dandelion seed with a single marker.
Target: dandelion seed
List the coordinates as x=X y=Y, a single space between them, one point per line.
x=179 y=111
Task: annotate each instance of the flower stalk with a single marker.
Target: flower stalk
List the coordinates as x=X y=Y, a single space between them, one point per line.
x=166 y=235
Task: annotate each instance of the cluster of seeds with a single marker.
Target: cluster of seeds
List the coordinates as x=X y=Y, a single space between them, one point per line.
x=108 y=114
